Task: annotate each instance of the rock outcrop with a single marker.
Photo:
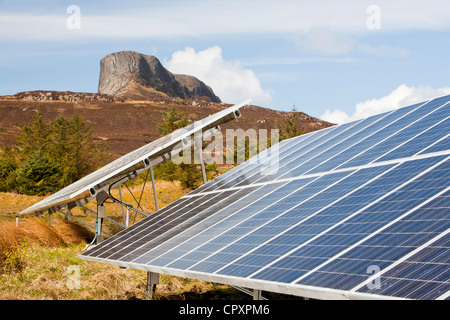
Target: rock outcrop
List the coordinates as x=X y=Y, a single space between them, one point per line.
x=129 y=74
x=66 y=96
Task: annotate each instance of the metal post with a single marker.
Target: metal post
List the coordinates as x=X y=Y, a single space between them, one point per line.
x=69 y=214
x=198 y=144
x=121 y=204
x=154 y=189
x=152 y=281
x=101 y=212
x=102 y=196
x=257 y=294
x=127 y=218
x=49 y=218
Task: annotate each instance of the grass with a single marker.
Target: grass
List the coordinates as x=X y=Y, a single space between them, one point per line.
x=39 y=262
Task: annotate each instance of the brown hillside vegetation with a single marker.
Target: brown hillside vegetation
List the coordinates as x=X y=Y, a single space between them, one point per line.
x=127 y=125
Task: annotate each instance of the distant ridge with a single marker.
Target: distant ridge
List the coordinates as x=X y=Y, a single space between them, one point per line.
x=135 y=76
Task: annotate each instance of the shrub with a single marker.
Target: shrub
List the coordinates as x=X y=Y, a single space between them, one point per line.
x=50 y=155
x=38 y=176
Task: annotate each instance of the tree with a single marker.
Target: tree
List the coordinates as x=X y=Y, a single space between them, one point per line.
x=290 y=129
x=172 y=120
x=38 y=176
x=50 y=155
x=189 y=175
x=8 y=165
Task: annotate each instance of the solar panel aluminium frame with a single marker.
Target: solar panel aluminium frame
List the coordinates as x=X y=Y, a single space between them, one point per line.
x=133 y=163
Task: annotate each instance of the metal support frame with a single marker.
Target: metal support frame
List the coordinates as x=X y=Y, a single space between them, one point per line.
x=152 y=281
x=198 y=142
x=257 y=294
x=251 y=292
x=123 y=207
x=101 y=214
x=154 y=189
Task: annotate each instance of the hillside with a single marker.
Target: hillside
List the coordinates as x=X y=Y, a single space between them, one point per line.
x=128 y=124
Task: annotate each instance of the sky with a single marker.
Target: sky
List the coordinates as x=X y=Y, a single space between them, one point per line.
x=338 y=60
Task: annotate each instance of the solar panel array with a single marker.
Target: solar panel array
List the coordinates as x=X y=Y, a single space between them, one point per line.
x=359 y=210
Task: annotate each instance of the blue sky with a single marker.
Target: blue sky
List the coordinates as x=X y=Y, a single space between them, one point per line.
x=338 y=60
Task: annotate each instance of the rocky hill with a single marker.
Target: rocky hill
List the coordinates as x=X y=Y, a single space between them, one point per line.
x=132 y=75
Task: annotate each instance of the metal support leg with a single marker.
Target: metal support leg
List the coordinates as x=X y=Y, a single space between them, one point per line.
x=154 y=189
x=123 y=209
x=152 y=281
x=100 y=215
x=49 y=218
x=198 y=145
x=127 y=218
x=257 y=294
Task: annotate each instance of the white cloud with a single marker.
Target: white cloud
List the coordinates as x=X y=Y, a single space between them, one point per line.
x=229 y=79
x=400 y=97
x=199 y=18
x=328 y=42
x=324 y=41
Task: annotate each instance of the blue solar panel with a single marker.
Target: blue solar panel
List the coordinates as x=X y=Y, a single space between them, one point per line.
x=413 y=119
x=368 y=194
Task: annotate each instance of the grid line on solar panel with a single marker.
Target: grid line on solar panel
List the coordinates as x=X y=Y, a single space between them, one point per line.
x=365 y=177
x=399 y=261
x=213 y=218
x=424 y=280
x=415 y=144
x=247 y=213
x=384 y=226
x=368 y=154
x=309 y=144
x=174 y=206
x=168 y=224
x=394 y=129
x=242 y=224
x=199 y=234
x=276 y=212
x=412 y=132
x=439 y=145
x=401 y=149
x=308 y=155
x=348 y=205
x=251 y=165
x=367 y=197
x=417 y=156
x=343 y=143
x=379 y=122
x=144 y=231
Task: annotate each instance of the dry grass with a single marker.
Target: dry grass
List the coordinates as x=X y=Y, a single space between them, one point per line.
x=46 y=254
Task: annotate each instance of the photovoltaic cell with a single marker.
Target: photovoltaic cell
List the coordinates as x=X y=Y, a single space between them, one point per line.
x=339 y=204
